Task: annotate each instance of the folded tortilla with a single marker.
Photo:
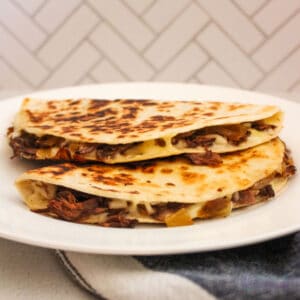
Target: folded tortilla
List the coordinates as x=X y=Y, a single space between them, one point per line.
x=171 y=191
x=116 y=131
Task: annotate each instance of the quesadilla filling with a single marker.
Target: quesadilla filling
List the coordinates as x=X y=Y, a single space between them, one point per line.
x=208 y=140
x=71 y=205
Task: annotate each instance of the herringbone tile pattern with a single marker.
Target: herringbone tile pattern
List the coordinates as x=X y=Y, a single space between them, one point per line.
x=240 y=43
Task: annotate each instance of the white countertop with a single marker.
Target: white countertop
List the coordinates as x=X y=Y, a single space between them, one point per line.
x=29 y=272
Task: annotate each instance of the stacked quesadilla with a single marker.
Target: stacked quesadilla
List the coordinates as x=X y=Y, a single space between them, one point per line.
x=148 y=161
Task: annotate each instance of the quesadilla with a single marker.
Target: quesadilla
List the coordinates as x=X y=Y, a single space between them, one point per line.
x=171 y=191
x=120 y=131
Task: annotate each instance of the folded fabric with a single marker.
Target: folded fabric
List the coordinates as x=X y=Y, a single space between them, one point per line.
x=269 y=270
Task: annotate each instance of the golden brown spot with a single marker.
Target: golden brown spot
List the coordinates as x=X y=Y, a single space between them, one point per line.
x=36 y=117
x=170 y=184
x=57 y=170
x=130 y=112
x=162 y=118
x=75 y=134
x=74 y=102
x=197 y=108
x=67 y=129
x=118 y=179
x=166 y=170
x=244 y=182
x=51 y=105
x=191 y=177
x=108 y=181
x=96 y=104
x=148 y=169
x=45 y=126
x=134 y=192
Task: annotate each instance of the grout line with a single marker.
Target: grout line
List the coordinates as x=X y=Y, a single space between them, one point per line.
x=67 y=56
x=87 y=73
x=39 y=8
x=277 y=66
x=167 y=26
x=161 y=70
x=194 y=75
x=127 y=41
x=262 y=6
x=290 y=89
x=259 y=68
x=171 y=59
x=201 y=46
x=269 y=37
x=18 y=74
x=130 y=45
x=181 y=50
x=58 y=27
x=109 y=60
x=149 y=7
x=22 y=43
x=139 y=17
x=252 y=22
x=282 y=61
x=31 y=17
x=91 y=7
x=221 y=67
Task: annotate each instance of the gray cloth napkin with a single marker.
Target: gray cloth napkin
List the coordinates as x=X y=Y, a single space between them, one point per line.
x=269 y=270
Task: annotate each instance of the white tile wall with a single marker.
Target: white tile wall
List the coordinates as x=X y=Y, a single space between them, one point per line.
x=253 y=44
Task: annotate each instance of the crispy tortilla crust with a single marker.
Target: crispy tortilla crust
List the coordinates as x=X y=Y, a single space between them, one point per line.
x=140 y=191
x=149 y=127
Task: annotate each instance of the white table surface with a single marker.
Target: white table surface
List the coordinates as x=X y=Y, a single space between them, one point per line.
x=29 y=272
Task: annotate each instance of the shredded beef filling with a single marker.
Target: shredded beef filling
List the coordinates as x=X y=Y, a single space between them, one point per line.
x=208 y=158
x=194 y=139
x=260 y=126
x=26 y=145
x=76 y=206
x=262 y=190
x=235 y=134
x=23 y=145
x=289 y=169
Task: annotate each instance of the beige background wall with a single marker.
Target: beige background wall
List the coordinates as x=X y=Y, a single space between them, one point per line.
x=252 y=44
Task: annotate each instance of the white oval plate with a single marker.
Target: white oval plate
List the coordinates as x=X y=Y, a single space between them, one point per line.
x=258 y=223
